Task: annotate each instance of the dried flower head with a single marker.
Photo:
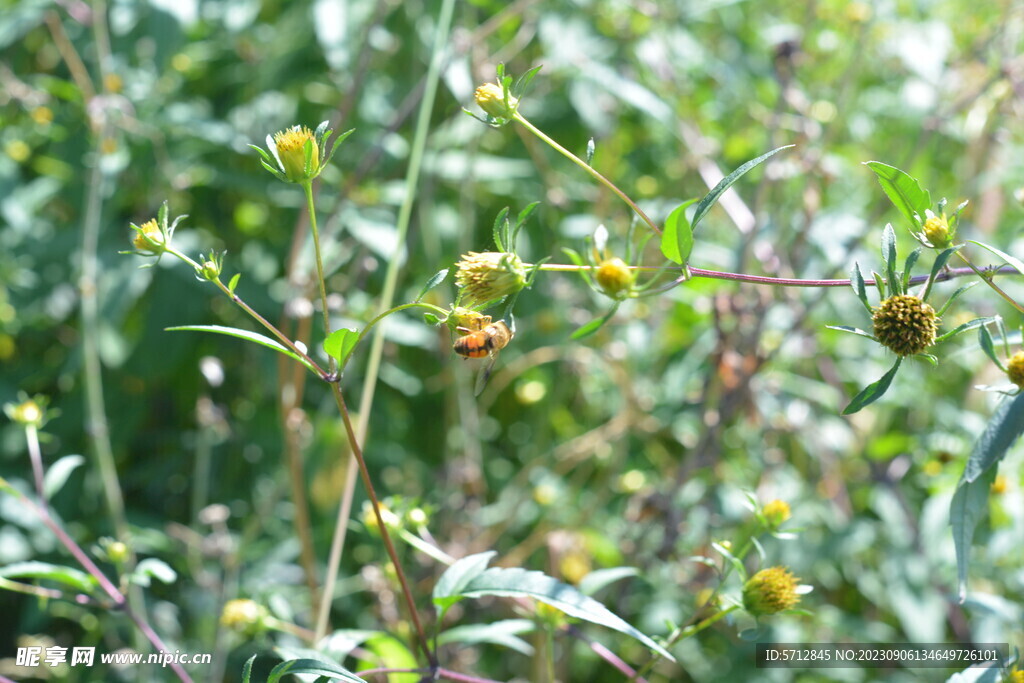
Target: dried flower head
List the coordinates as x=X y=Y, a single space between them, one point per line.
x=905 y=324
x=488 y=276
x=770 y=591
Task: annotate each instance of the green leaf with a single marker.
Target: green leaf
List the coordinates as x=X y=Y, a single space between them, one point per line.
x=247 y=669
x=677 y=237
x=879 y=284
x=504 y=633
x=339 y=344
x=852 y=330
x=501 y=229
x=969 y=325
x=859 y=288
x=520 y=221
x=152 y=568
x=520 y=583
x=598 y=579
x=392 y=654
x=448 y=589
x=969 y=506
x=909 y=266
x=254 y=337
x=595 y=324
x=736 y=563
x=989 y=347
x=940 y=263
x=523 y=82
x=1013 y=261
x=337 y=141
x=58 y=473
x=903 y=191
x=73 y=578
x=234 y=282
x=1002 y=430
x=434 y=281
x=313 y=666
x=874 y=391
x=711 y=197
x=889 y=258
x=591 y=148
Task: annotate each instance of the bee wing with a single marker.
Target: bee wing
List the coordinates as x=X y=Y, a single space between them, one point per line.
x=485 y=374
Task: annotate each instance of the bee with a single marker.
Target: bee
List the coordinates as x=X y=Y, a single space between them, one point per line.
x=482 y=339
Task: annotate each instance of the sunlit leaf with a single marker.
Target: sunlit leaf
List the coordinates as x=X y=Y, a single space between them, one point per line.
x=852 y=330
x=334 y=672
x=969 y=325
x=677 y=237
x=873 y=391
x=57 y=474
x=711 y=197
x=594 y=325
x=969 y=506
x=903 y=191
x=504 y=633
x=74 y=579
x=1017 y=264
x=434 y=281
x=448 y=589
x=889 y=258
x=339 y=344
x=254 y=337
x=1005 y=427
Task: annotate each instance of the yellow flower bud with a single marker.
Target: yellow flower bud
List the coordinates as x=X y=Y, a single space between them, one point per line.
x=614 y=277
x=770 y=591
x=149 y=238
x=291 y=150
x=936 y=229
x=1015 y=369
x=244 y=616
x=27 y=412
x=491 y=98
x=776 y=512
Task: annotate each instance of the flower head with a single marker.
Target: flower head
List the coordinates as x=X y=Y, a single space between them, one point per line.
x=297 y=154
x=776 y=512
x=29 y=412
x=488 y=276
x=937 y=230
x=905 y=324
x=244 y=616
x=491 y=98
x=770 y=591
x=148 y=238
x=614 y=277
x=1015 y=369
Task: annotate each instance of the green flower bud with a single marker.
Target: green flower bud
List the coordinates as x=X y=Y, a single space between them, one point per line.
x=770 y=591
x=491 y=98
x=905 y=324
x=244 y=616
x=489 y=275
x=291 y=150
x=614 y=277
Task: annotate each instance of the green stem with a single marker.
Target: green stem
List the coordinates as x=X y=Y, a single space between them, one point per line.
x=308 y=188
x=588 y=168
x=416 y=304
x=988 y=281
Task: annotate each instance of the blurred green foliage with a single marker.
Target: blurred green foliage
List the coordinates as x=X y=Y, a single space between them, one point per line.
x=633 y=447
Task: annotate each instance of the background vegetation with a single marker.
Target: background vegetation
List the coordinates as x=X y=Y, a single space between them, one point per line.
x=632 y=447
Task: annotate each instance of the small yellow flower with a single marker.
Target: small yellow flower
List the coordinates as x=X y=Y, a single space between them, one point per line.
x=998 y=487
x=27 y=412
x=905 y=324
x=291 y=150
x=42 y=115
x=1016 y=676
x=149 y=238
x=614 y=277
x=488 y=276
x=1015 y=369
x=491 y=98
x=776 y=512
x=936 y=229
x=369 y=518
x=244 y=616
x=770 y=591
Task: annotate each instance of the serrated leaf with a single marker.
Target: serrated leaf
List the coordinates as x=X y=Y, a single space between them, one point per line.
x=313 y=666
x=1005 y=427
x=598 y=579
x=989 y=347
x=504 y=633
x=75 y=579
x=852 y=330
x=58 y=473
x=1017 y=264
x=434 y=281
x=595 y=324
x=889 y=257
x=909 y=266
x=518 y=583
x=859 y=288
x=969 y=325
x=903 y=191
x=873 y=391
x=448 y=589
x=254 y=337
x=339 y=344
x=711 y=197
x=501 y=229
x=969 y=506
x=677 y=236
x=247 y=669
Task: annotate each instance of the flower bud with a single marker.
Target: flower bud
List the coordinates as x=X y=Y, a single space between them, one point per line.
x=117 y=552
x=936 y=229
x=905 y=324
x=369 y=518
x=1015 y=369
x=776 y=512
x=614 y=277
x=291 y=150
x=210 y=270
x=245 y=616
x=28 y=413
x=149 y=238
x=491 y=98
x=770 y=591
x=489 y=275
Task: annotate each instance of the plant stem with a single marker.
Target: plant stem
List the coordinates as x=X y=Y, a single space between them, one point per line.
x=308 y=188
x=444 y=21
x=988 y=281
x=357 y=453
x=588 y=168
